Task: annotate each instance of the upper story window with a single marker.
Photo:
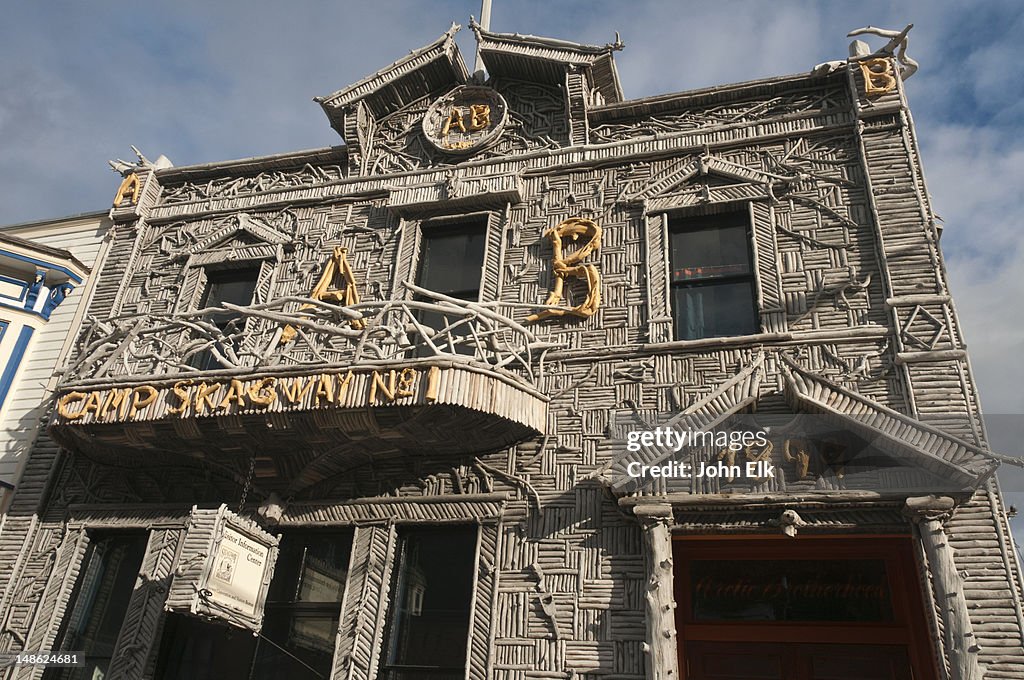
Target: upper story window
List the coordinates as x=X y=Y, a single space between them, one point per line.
x=712 y=287
x=451 y=263
x=452 y=259
x=433 y=589
x=234 y=286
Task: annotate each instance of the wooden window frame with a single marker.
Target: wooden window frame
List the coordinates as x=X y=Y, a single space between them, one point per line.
x=410 y=251
x=765 y=267
x=682 y=223
x=395 y=587
x=196 y=279
x=87 y=545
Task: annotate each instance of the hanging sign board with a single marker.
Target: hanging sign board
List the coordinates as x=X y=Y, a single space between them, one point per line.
x=224 y=569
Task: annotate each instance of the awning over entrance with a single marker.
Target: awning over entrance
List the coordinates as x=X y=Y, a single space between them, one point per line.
x=376 y=382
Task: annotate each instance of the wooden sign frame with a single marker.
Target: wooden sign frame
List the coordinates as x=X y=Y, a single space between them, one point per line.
x=198 y=589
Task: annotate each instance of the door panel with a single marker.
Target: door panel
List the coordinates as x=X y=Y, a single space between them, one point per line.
x=833 y=662
x=794 y=661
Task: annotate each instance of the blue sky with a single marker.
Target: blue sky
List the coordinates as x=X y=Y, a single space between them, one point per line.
x=202 y=81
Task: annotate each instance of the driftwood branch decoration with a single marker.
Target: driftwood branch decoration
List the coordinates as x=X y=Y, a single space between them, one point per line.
x=308 y=176
x=154 y=345
x=124 y=168
x=859 y=369
x=897 y=46
x=571 y=267
x=337 y=272
x=798 y=451
x=546 y=600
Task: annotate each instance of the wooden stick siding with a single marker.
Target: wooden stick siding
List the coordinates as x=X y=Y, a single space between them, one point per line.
x=855 y=311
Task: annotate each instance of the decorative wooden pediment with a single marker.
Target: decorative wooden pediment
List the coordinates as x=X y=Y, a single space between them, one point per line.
x=743 y=182
x=896 y=434
x=243 y=224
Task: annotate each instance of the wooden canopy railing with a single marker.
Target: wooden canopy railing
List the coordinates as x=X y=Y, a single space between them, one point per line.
x=293 y=332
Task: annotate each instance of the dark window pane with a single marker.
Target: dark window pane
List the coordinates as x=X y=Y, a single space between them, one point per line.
x=311 y=567
x=451 y=263
x=303 y=606
x=429 y=622
x=101 y=597
x=711 y=247
x=300 y=622
x=230 y=285
x=296 y=645
x=790 y=590
x=235 y=286
x=712 y=287
x=714 y=310
x=192 y=649
x=452 y=260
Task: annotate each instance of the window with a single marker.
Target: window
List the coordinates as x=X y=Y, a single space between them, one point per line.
x=428 y=626
x=300 y=621
x=303 y=606
x=451 y=263
x=235 y=286
x=99 y=603
x=712 y=281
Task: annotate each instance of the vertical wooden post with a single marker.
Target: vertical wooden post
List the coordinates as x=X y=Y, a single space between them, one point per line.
x=138 y=641
x=364 y=606
x=662 y=662
x=960 y=642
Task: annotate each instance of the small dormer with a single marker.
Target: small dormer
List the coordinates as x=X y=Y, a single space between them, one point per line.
x=426 y=111
x=355 y=111
x=586 y=73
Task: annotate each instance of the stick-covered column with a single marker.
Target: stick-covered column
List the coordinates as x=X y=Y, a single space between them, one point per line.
x=962 y=649
x=661 y=649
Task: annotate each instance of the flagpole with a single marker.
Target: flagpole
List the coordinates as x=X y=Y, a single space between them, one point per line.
x=485 y=24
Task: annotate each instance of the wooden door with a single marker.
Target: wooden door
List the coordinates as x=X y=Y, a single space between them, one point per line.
x=805 y=608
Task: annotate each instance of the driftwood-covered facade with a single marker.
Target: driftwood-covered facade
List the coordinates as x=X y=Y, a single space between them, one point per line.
x=375 y=401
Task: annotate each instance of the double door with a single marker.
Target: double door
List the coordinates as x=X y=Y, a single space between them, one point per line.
x=804 y=608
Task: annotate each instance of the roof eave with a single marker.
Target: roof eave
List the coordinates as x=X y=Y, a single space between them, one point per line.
x=442 y=49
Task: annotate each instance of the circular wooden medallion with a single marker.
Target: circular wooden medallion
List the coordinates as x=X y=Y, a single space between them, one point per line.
x=468 y=119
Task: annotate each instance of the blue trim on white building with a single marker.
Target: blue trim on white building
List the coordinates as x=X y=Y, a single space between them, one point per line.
x=43 y=264
x=11 y=370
